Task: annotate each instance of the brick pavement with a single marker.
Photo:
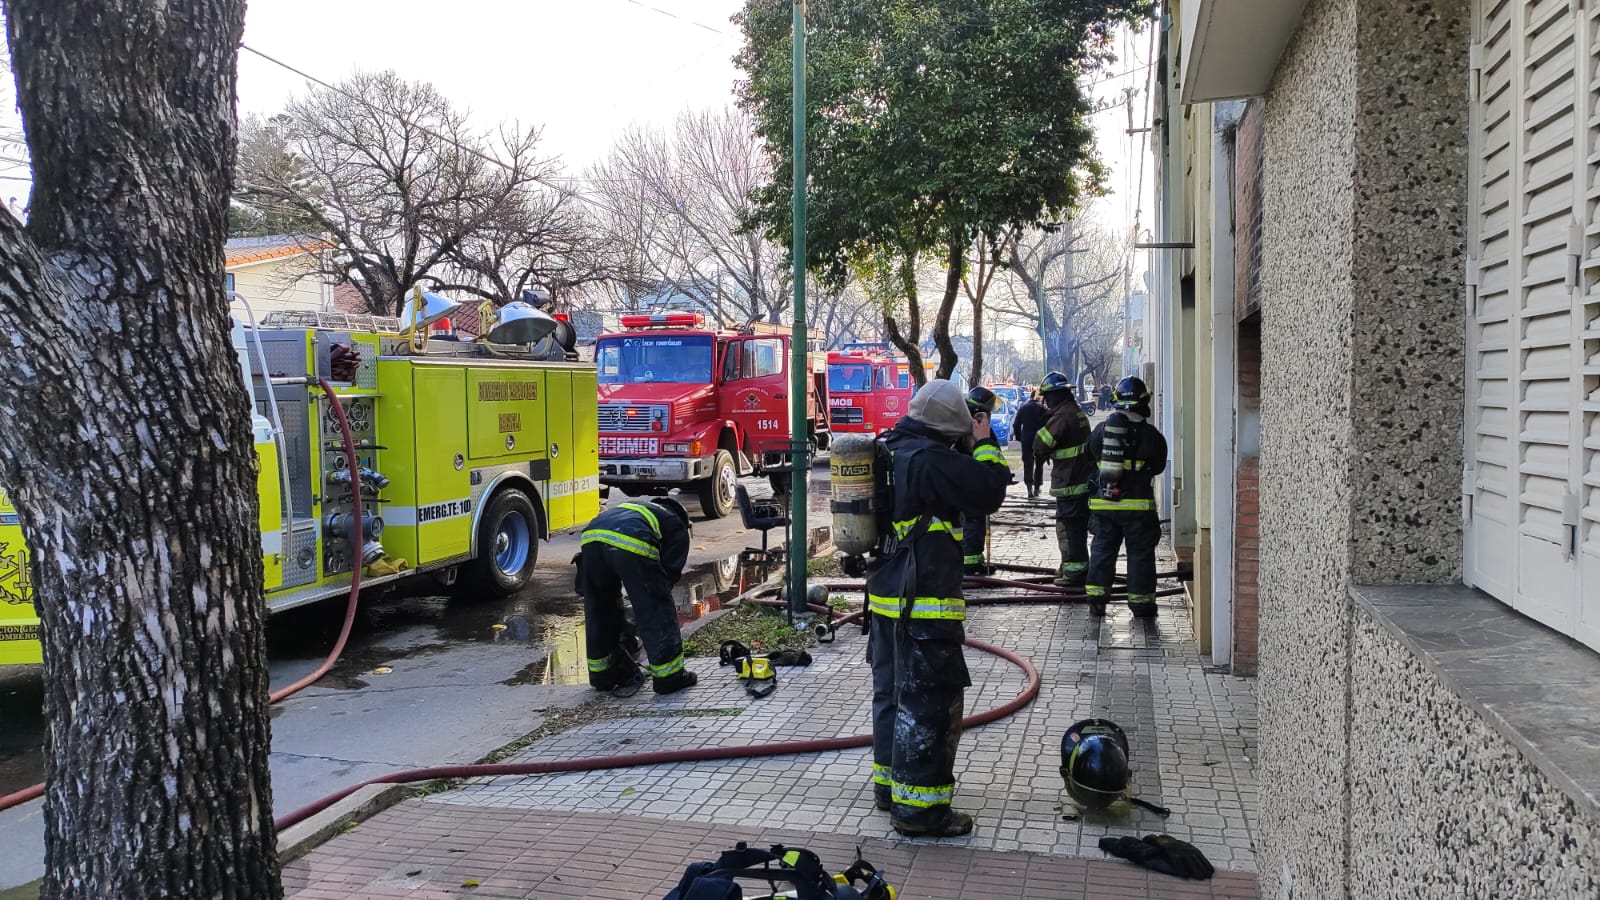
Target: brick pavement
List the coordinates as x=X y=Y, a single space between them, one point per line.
x=1192 y=735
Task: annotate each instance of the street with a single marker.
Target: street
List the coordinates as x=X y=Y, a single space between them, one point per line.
x=458 y=678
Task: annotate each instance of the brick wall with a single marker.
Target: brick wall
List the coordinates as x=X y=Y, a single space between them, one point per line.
x=1246 y=508
x=1247 y=161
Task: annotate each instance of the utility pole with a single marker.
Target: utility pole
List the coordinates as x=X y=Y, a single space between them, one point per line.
x=799 y=369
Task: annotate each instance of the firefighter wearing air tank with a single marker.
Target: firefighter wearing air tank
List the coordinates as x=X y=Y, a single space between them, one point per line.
x=641 y=548
x=938 y=465
x=1065 y=437
x=1130 y=453
x=981 y=403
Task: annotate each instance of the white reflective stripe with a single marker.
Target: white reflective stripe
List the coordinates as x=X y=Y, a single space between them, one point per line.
x=406 y=516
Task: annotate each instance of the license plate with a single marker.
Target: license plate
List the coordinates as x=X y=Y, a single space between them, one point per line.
x=615 y=446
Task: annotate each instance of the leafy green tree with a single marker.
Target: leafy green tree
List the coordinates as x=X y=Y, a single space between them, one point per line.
x=929 y=123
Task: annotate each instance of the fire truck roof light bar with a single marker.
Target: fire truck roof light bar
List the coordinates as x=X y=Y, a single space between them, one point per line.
x=669 y=320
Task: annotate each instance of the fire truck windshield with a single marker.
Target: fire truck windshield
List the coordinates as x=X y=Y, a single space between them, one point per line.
x=654 y=358
x=849 y=378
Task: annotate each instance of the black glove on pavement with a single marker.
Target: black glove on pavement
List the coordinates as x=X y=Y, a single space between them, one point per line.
x=1161 y=853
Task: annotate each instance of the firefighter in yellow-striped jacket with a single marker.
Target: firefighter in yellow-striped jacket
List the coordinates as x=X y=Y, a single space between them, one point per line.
x=944 y=465
x=640 y=547
x=1129 y=453
x=1065 y=438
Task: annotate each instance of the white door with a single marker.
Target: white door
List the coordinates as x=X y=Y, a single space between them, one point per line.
x=1536 y=242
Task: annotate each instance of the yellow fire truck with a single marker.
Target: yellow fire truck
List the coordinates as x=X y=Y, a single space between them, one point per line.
x=468 y=455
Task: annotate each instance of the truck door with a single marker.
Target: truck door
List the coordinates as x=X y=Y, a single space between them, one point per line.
x=755 y=391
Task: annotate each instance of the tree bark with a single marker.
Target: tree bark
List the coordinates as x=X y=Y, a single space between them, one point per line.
x=910 y=341
x=955 y=259
x=128 y=451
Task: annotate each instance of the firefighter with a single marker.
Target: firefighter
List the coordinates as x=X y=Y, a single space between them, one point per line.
x=640 y=547
x=1064 y=436
x=1129 y=453
x=939 y=464
x=981 y=403
x=1025 y=425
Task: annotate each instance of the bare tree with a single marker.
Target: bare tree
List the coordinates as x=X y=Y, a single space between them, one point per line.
x=680 y=200
x=395 y=177
x=543 y=238
x=980 y=274
x=1062 y=283
x=129 y=454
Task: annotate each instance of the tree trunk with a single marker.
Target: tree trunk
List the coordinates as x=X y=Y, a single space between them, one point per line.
x=977 y=338
x=908 y=342
x=128 y=451
x=955 y=258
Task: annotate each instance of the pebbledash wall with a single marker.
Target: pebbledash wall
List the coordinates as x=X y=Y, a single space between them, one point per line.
x=1377 y=780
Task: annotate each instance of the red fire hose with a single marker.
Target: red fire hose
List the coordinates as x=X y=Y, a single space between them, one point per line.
x=17 y=798
x=357 y=540
x=630 y=760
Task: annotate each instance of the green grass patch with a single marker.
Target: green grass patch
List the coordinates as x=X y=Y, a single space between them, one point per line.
x=763 y=629
x=24 y=892
x=844 y=603
x=823 y=566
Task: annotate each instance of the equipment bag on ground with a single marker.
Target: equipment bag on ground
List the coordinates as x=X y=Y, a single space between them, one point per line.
x=799 y=872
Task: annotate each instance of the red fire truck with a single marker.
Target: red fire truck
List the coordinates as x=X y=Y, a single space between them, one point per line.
x=684 y=406
x=868 y=389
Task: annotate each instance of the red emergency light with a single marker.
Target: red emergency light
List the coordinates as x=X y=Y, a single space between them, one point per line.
x=670 y=320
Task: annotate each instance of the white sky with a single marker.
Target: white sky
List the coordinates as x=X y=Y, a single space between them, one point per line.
x=584 y=69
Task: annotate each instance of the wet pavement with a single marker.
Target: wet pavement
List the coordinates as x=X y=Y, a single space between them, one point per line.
x=425 y=678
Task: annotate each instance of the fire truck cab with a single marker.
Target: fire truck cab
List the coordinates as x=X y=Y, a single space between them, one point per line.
x=685 y=406
x=869 y=389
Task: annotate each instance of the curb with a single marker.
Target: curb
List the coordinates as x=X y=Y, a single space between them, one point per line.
x=300 y=839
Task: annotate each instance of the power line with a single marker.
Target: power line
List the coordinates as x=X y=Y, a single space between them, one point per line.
x=686 y=21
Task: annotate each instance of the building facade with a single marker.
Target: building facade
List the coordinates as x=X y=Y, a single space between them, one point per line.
x=1381 y=287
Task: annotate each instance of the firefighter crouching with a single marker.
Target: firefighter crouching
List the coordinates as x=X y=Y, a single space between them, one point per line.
x=641 y=547
x=1130 y=453
x=942 y=465
x=981 y=403
x=1065 y=437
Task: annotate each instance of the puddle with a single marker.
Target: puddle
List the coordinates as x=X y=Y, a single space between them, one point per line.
x=22 y=711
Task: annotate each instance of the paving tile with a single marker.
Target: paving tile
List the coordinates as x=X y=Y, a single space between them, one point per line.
x=1193 y=737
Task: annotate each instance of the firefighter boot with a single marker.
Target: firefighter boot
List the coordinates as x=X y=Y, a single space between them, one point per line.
x=951 y=824
x=677 y=681
x=1065 y=576
x=882 y=797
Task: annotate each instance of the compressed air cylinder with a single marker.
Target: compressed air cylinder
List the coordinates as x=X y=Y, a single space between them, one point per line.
x=855 y=531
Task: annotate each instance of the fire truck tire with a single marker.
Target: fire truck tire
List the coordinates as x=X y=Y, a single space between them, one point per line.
x=716 y=493
x=508 y=545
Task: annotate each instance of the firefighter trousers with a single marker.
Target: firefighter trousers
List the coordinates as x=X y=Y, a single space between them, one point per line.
x=1072 y=537
x=1141 y=531
x=604 y=572
x=1033 y=466
x=918 y=680
x=974 y=537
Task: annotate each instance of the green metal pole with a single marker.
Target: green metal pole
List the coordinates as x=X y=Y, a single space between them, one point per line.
x=799 y=368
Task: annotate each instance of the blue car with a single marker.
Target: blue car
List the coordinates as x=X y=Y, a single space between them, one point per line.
x=1000 y=422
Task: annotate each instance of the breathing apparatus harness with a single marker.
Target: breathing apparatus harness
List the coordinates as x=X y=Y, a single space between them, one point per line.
x=781 y=865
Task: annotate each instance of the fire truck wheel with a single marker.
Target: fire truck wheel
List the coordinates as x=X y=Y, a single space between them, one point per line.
x=508 y=545
x=716 y=493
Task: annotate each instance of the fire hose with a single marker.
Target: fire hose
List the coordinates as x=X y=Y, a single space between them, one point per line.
x=1029 y=592
x=34 y=792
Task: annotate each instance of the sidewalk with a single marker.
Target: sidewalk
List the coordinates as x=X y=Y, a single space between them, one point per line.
x=1192 y=734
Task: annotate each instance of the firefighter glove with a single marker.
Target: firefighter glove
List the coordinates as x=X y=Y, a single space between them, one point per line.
x=1161 y=853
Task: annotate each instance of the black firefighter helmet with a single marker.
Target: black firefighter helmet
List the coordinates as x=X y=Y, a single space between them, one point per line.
x=1094 y=762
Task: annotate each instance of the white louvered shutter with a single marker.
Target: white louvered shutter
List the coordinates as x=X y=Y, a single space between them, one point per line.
x=1588 y=452
x=1536 y=239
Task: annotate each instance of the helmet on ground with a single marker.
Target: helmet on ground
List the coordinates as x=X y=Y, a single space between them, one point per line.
x=1053 y=382
x=940 y=405
x=1094 y=762
x=1130 y=393
x=674 y=507
x=981 y=399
